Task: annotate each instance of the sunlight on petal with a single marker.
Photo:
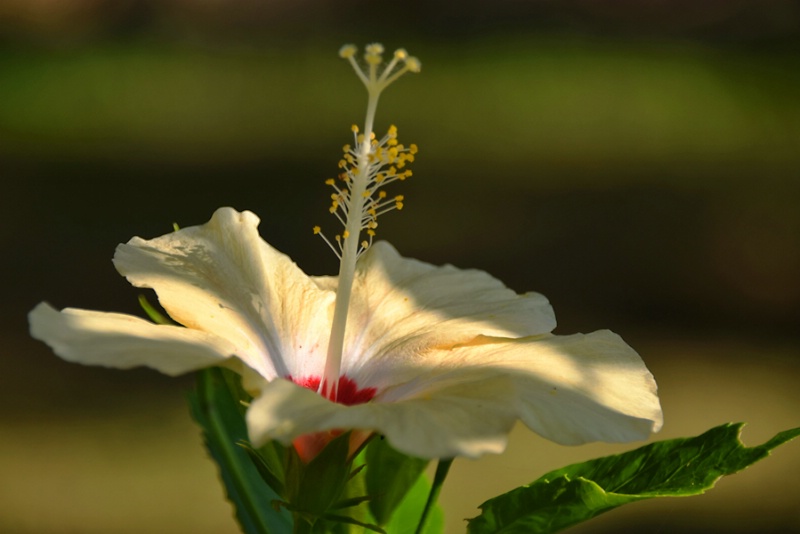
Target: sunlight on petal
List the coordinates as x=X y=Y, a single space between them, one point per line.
x=124 y=341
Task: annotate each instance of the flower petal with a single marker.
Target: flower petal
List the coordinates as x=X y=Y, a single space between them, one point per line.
x=596 y=388
x=401 y=307
x=222 y=278
x=572 y=390
x=124 y=341
x=456 y=422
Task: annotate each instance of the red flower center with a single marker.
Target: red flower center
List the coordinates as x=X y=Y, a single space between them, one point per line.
x=349 y=393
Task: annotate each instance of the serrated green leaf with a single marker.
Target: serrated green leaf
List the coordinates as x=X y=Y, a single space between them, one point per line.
x=390 y=475
x=268 y=475
x=217 y=410
x=670 y=468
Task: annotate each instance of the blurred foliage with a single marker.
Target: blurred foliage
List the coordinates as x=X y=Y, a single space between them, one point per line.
x=562 y=103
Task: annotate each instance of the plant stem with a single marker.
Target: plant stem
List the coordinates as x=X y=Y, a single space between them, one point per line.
x=436 y=487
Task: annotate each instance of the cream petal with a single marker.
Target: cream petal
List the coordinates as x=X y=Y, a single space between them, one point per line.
x=124 y=341
x=571 y=390
x=596 y=388
x=401 y=307
x=222 y=278
x=455 y=422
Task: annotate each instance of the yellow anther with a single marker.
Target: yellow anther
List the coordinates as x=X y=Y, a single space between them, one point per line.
x=408 y=173
x=348 y=51
x=374 y=48
x=317 y=230
x=373 y=53
x=413 y=64
x=369 y=162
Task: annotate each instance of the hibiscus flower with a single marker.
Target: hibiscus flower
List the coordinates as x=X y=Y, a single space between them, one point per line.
x=442 y=361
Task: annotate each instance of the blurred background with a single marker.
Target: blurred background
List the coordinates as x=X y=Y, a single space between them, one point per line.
x=635 y=161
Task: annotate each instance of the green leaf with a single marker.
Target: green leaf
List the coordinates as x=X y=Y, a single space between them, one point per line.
x=670 y=468
x=216 y=408
x=406 y=516
x=390 y=475
x=323 y=480
x=273 y=479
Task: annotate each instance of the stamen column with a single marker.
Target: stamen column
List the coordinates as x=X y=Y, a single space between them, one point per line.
x=358 y=194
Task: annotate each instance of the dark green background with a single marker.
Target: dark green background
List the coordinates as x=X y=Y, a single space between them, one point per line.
x=637 y=164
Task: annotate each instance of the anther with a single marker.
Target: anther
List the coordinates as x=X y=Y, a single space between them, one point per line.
x=348 y=51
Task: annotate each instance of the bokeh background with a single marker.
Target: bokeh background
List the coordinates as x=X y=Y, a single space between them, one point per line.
x=635 y=161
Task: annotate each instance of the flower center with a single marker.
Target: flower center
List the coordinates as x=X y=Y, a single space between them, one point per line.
x=348 y=392
x=366 y=167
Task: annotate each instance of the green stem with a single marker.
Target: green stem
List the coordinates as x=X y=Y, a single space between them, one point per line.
x=436 y=487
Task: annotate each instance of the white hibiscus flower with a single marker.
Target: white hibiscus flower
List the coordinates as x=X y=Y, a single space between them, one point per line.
x=442 y=361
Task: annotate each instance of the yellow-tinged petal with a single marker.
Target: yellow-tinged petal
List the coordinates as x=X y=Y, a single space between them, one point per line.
x=222 y=278
x=401 y=307
x=124 y=341
x=463 y=402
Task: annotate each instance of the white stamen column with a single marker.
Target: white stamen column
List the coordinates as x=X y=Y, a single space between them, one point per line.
x=358 y=194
